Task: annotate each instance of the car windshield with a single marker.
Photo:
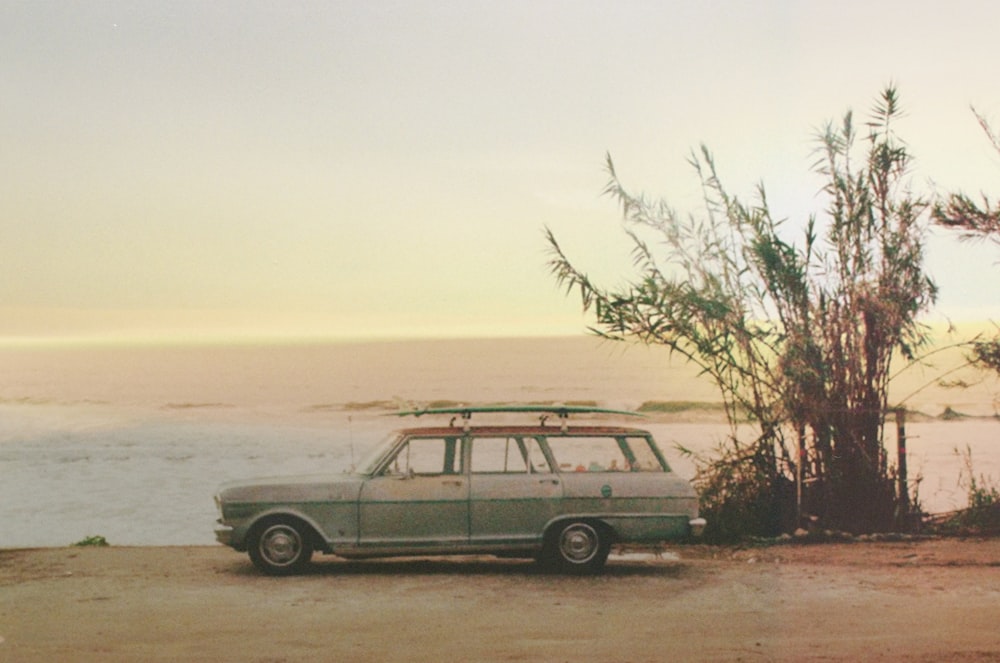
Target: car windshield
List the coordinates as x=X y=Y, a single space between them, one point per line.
x=371 y=460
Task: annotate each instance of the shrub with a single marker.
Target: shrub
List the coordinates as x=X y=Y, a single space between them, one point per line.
x=95 y=541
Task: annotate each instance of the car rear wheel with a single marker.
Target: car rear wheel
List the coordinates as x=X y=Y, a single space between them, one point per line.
x=578 y=547
x=281 y=547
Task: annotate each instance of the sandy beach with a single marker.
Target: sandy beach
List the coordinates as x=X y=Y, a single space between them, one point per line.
x=927 y=600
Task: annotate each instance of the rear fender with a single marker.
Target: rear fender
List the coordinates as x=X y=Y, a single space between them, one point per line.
x=562 y=520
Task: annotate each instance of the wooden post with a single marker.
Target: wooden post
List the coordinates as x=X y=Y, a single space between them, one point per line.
x=904 y=491
x=800 y=476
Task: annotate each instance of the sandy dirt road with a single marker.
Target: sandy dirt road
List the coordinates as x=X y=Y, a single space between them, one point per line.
x=932 y=600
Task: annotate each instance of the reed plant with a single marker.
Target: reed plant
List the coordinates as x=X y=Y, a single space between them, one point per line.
x=797 y=334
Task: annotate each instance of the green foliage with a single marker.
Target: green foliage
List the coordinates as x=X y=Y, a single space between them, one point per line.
x=973 y=219
x=986 y=353
x=798 y=336
x=96 y=541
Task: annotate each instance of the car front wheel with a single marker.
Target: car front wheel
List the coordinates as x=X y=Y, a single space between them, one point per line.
x=281 y=547
x=578 y=547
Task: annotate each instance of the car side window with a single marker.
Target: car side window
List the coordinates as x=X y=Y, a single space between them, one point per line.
x=598 y=454
x=537 y=462
x=507 y=455
x=426 y=456
x=644 y=458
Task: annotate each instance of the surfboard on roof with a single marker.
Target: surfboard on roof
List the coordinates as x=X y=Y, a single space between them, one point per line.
x=559 y=410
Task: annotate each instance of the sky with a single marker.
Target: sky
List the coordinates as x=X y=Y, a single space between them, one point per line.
x=232 y=170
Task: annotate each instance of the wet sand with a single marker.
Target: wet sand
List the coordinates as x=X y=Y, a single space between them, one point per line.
x=928 y=600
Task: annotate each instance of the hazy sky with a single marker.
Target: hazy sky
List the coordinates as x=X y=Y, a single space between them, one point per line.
x=386 y=168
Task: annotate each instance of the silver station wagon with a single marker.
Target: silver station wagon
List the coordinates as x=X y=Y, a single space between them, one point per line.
x=562 y=494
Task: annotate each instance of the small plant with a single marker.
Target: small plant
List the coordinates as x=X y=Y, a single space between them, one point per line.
x=96 y=541
x=983 y=511
x=739 y=497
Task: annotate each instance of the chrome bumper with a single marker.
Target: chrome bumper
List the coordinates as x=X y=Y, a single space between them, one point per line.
x=224 y=534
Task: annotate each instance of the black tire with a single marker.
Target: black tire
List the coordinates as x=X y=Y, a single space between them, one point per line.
x=578 y=547
x=281 y=547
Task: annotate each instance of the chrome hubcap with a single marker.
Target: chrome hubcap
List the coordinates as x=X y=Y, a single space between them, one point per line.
x=280 y=545
x=578 y=543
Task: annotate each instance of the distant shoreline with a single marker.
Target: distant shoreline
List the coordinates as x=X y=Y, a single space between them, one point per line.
x=678 y=411
x=657 y=410
x=943 y=332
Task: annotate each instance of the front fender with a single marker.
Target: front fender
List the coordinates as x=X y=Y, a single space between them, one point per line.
x=240 y=532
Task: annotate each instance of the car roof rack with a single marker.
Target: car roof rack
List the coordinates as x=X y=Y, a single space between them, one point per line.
x=562 y=411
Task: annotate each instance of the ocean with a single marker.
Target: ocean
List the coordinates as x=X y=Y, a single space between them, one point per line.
x=130 y=442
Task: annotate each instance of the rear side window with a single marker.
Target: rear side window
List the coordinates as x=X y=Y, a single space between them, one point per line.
x=603 y=454
x=507 y=455
x=644 y=458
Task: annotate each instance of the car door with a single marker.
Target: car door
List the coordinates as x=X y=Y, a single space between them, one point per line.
x=420 y=498
x=513 y=494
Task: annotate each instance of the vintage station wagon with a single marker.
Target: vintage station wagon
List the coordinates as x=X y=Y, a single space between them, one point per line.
x=559 y=493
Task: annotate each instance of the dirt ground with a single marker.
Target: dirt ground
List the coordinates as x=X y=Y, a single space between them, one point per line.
x=930 y=600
